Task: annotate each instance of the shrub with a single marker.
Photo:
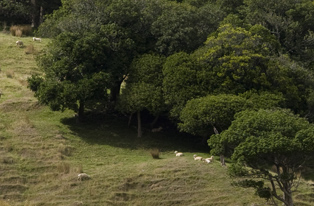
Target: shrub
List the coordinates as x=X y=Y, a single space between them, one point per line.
x=65 y=150
x=30 y=49
x=18 y=33
x=20 y=30
x=64 y=168
x=10 y=74
x=155 y=153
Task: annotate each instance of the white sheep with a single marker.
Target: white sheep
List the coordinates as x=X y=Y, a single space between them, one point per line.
x=209 y=159
x=36 y=39
x=179 y=154
x=19 y=43
x=157 y=129
x=83 y=176
x=198 y=158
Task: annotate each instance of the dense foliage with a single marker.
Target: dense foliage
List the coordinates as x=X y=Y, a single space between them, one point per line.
x=261 y=139
x=26 y=12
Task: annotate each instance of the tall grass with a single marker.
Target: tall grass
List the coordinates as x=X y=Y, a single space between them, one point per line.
x=30 y=49
x=21 y=30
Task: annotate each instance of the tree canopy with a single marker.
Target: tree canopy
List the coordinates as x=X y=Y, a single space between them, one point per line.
x=258 y=140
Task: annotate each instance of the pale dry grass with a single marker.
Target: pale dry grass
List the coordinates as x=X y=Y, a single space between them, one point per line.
x=30 y=49
x=4 y=203
x=21 y=30
x=155 y=153
x=18 y=33
x=64 y=167
x=10 y=74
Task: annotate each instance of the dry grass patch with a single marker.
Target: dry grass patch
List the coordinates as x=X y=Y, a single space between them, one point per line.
x=21 y=30
x=155 y=153
x=23 y=82
x=30 y=49
x=65 y=150
x=64 y=168
x=18 y=33
x=10 y=74
x=4 y=203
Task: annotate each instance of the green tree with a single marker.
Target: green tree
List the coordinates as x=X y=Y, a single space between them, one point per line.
x=26 y=12
x=258 y=140
x=290 y=21
x=205 y=115
x=201 y=115
x=14 y=12
x=180 y=82
x=143 y=89
x=183 y=28
x=239 y=60
x=76 y=72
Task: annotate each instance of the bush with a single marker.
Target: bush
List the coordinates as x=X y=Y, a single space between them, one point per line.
x=21 y=30
x=10 y=74
x=155 y=153
x=30 y=49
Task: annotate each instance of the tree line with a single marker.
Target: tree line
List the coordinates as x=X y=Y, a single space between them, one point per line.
x=17 y=12
x=238 y=73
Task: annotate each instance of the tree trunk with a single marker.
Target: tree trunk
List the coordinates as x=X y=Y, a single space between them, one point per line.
x=222 y=157
x=154 y=122
x=81 y=111
x=287 y=196
x=115 y=91
x=222 y=160
x=130 y=119
x=34 y=11
x=4 y=24
x=41 y=15
x=139 y=124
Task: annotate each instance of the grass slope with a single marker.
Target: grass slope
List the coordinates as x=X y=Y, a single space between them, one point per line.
x=41 y=153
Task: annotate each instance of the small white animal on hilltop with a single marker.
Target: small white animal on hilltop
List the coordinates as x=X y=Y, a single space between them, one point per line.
x=83 y=176
x=19 y=43
x=157 y=129
x=36 y=39
x=179 y=154
x=198 y=158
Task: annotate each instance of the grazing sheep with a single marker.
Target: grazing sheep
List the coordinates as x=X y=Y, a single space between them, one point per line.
x=36 y=39
x=157 y=129
x=179 y=154
x=19 y=43
x=83 y=176
x=209 y=159
x=197 y=158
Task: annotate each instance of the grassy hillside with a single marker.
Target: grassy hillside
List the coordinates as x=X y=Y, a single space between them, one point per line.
x=41 y=153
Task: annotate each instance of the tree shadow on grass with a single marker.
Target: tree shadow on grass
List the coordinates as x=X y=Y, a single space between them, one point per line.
x=113 y=130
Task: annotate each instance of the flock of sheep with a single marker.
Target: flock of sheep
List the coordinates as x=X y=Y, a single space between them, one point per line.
x=197 y=158
x=84 y=176
x=20 y=43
